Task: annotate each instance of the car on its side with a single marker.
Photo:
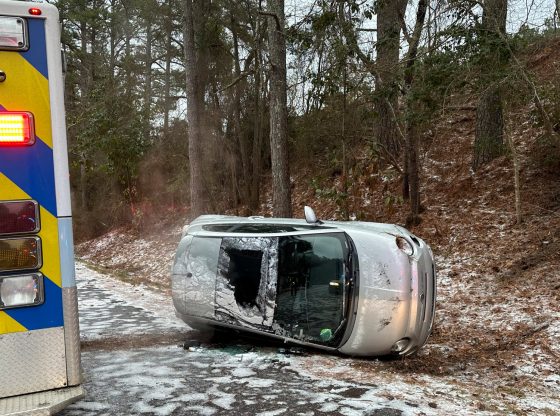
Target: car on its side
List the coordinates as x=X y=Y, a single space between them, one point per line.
x=358 y=288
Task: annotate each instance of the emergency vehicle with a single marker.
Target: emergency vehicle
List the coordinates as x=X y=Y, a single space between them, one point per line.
x=40 y=370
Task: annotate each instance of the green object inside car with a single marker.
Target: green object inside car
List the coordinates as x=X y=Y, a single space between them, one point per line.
x=326 y=334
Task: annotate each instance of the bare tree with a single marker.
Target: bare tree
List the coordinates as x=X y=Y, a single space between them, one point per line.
x=281 y=189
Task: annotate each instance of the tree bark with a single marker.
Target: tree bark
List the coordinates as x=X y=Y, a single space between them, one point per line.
x=516 y=178
x=411 y=180
x=242 y=146
x=257 y=127
x=389 y=15
x=195 y=102
x=489 y=130
x=148 y=77
x=281 y=188
x=167 y=77
x=489 y=133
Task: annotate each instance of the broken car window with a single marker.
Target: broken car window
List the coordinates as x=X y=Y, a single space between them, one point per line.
x=246 y=281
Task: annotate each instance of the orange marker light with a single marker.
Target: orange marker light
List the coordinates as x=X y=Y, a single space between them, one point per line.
x=35 y=11
x=16 y=128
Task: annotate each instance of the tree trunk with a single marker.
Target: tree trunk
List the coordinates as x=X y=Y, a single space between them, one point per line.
x=489 y=136
x=411 y=179
x=516 y=178
x=195 y=101
x=489 y=131
x=84 y=83
x=167 y=77
x=128 y=59
x=389 y=15
x=112 y=41
x=281 y=191
x=240 y=140
x=148 y=77
x=413 y=172
x=257 y=130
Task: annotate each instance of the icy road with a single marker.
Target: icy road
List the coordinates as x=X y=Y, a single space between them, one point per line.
x=139 y=359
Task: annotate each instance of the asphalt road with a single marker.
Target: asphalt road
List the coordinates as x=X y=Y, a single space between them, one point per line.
x=138 y=359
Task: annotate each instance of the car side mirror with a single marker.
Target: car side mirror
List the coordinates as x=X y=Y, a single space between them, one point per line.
x=310 y=216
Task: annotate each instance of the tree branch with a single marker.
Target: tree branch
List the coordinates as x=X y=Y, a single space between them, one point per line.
x=278 y=26
x=404 y=29
x=236 y=80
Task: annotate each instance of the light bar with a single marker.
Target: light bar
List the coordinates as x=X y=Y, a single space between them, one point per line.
x=21 y=290
x=16 y=128
x=19 y=217
x=20 y=254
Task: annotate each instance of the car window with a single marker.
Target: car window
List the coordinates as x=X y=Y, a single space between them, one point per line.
x=312 y=275
x=246 y=281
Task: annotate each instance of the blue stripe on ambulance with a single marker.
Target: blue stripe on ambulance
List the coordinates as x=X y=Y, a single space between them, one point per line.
x=32 y=169
x=37 y=179
x=36 y=55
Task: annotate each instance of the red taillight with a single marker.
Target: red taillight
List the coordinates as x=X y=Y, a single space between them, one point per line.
x=35 y=11
x=19 y=217
x=16 y=128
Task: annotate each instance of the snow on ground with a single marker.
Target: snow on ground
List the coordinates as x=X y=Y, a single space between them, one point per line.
x=136 y=259
x=109 y=307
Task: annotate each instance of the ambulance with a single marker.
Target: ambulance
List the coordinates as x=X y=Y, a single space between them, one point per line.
x=40 y=371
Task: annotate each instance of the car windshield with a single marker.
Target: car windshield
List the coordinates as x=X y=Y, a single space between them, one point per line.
x=293 y=286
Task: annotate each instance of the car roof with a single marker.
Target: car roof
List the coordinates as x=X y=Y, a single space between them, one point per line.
x=214 y=225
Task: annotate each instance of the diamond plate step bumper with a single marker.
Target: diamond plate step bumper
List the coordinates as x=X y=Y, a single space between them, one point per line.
x=40 y=404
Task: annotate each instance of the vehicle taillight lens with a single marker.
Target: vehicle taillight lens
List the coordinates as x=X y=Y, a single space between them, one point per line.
x=20 y=254
x=16 y=128
x=19 y=217
x=22 y=290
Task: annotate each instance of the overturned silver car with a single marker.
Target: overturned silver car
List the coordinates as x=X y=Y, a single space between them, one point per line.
x=358 y=288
